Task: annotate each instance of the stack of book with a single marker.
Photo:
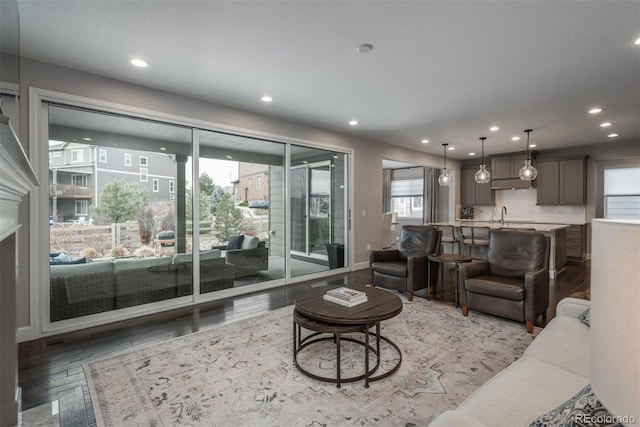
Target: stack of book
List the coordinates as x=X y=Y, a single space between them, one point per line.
x=346 y=296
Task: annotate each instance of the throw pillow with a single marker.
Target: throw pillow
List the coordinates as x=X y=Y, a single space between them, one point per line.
x=586 y=317
x=235 y=242
x=250 y=242
x=583 y=409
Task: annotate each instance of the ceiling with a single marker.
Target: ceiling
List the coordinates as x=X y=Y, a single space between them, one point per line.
x=439 y=70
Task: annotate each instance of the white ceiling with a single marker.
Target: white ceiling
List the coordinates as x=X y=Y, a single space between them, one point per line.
x=442 y=70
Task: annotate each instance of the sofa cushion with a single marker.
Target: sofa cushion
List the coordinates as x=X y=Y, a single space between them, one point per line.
x=392 y=268
x=59 y=270
x=496 y=286
x=250 y=242
x=63 y=258
x=563 y=343
x=212 y=254
x=519 y=394
x=583 y=409
x=235 y=242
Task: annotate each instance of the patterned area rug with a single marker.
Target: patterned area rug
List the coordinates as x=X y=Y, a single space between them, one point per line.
x=241 y=374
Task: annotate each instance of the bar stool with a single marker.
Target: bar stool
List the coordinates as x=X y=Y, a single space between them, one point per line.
x=475 y=236
x=449 y=237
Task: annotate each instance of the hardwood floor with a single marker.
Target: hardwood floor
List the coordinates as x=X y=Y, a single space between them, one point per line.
x=50 y=369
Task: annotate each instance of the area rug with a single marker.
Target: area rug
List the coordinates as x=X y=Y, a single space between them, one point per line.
x=242 y=374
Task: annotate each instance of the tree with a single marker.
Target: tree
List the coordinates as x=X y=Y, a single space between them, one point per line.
x=203 y=203
x=146 y=224
x=228 y=219
x=120 y=201
x=206 y=184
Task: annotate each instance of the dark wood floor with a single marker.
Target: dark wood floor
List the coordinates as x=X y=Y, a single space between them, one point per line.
x=51 y=368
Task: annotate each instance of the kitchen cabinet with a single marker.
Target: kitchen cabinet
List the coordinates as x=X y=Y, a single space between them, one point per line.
x=562 y=182
x=505 y=171
x=474 y=194
x=577 y=242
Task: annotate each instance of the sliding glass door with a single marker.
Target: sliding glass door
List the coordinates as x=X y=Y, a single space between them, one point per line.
x=146 y=215
x=318 y=210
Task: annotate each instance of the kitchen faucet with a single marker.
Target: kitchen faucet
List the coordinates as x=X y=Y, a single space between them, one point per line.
x=502 y=214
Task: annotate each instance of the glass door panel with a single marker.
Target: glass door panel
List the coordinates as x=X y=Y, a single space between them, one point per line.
x=318 y=210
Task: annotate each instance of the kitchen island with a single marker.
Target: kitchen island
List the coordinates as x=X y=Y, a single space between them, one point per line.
x=556 y=233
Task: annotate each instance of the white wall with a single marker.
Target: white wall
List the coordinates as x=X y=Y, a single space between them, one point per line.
x=521 y=206
x=367 y=156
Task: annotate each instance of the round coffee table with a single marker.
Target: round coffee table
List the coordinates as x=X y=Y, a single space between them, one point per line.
x=329 y=320
x=448 y=259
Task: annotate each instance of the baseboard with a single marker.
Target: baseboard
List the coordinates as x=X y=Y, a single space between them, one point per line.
x=361 y=265
x=24 y=334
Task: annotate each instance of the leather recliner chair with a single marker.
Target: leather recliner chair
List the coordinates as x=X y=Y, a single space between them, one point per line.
x=405 y=268
x=513 y=282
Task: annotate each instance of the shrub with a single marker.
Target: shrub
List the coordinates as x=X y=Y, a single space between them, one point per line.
x=144 y=252
x=90 y=253
x=118 y=252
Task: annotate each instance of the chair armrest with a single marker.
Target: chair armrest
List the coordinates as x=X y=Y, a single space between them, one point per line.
x=473 y=269
x=572 y=307
x=536 y=289
x=383 y=256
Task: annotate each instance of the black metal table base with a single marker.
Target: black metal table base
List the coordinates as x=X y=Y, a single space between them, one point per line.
x=332 y=332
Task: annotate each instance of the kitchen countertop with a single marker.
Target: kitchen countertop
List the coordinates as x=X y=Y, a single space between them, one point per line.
x=522 y=221
x=507 y=224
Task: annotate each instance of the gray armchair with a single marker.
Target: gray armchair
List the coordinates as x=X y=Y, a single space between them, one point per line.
x=405 y=268
x=513 y=282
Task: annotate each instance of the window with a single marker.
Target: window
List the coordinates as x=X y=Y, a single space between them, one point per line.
x=82 y=207
x=172 y=186
x=102 y=155
x=79 y=180
x=127 y=159
x=172 y=197
x=407 y=193
x=258 y=183
x=144 y=161
x=621 y=193
x=57 y=154
x=144 y=174
x=77 y=156
x=156 y=185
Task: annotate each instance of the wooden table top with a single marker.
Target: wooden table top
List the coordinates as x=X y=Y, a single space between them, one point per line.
x=381 y=304
x=449 y=258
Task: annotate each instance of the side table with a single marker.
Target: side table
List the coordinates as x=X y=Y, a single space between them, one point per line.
x=456 y=259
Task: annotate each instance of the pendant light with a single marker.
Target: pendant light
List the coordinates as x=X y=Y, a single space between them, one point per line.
x=444 y=178
x=528 y=172
x=483 y=176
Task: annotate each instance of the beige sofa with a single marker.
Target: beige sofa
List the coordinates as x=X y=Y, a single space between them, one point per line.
x=552 y=370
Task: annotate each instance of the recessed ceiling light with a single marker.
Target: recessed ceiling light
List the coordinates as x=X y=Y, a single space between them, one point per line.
x=612 y=135
x=87 y=139
x=494 y=128
x=137 y=62
x=305 y=162
x=451 y=148
x=637 y=42
x=353 y=123
x=365 y=48
x=472 y=154
x=532 y=145
x=595 y=110
x=266 y=98
x=515 y=138
x=425 y=141
x=163 y=148
x=605 y=124
x=228 y=157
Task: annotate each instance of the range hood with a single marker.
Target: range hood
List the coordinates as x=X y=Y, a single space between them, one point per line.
x=511 y=184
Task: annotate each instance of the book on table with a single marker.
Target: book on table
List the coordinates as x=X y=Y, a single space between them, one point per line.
x=346 y=296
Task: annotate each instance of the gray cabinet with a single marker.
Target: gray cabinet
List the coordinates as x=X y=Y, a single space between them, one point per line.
x=505 y=171
x=474 y=194
x=561 y=182
x=577 y=242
